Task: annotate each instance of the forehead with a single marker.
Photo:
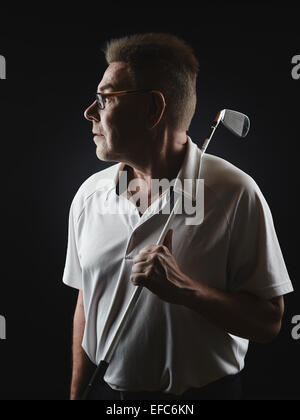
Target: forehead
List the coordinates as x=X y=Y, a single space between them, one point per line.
x=116 y=77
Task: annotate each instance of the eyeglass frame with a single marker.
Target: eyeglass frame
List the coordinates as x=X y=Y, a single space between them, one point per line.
x=100 y=97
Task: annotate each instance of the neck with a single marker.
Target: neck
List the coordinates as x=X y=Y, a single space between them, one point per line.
x=162 y=159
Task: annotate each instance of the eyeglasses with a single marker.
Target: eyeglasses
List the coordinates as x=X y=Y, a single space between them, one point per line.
x=100 y=97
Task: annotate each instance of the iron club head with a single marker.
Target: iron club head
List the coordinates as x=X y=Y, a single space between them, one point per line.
x=234 y=121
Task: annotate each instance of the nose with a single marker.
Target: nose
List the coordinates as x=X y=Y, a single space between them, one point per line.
x=92 y=113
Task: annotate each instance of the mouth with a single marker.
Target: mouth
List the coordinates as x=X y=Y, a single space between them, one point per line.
x=98 y=138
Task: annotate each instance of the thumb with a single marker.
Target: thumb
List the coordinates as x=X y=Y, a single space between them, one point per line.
x=168 y=240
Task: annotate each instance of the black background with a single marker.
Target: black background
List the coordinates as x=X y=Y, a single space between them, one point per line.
x=54 y=64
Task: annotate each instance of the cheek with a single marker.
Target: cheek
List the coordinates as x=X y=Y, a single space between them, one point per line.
x=111 y=119
x=122 y=122
x=116 y=124
x=106 y=122
x=112 y=131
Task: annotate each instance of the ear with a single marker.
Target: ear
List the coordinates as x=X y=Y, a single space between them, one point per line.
x=157 y=108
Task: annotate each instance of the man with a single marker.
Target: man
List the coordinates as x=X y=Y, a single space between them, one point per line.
x=211 y=287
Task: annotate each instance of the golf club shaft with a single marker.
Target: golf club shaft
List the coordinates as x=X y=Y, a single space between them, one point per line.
x=207 y=141
x=135 y=296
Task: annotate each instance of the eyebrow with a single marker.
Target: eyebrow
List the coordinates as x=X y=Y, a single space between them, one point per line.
x=106 y=87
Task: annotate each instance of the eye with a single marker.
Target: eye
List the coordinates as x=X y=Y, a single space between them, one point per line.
x=109 y=99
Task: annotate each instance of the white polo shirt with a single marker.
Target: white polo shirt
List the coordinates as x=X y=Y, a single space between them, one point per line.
x=169 y=347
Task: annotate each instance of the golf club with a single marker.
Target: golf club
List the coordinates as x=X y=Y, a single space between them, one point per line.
x=238 y=124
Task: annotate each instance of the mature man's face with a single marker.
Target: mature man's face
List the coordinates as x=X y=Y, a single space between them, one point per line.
x=120 y=127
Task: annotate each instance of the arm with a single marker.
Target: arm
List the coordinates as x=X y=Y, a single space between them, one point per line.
x=241 y=314
x=82 y=367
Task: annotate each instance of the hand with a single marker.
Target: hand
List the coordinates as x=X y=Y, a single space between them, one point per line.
x=156 y=269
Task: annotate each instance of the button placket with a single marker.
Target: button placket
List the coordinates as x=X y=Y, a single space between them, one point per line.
x=149 y=213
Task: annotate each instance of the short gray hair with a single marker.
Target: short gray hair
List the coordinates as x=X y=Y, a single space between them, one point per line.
x=163 y=62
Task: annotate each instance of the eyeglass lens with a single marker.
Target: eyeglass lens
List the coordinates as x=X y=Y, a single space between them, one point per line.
x=100 y=100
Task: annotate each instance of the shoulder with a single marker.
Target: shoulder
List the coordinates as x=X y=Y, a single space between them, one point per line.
x=233 y=190
x=99 y=182
x=223 y=177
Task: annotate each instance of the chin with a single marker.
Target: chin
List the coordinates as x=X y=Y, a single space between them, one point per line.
x=106 y=155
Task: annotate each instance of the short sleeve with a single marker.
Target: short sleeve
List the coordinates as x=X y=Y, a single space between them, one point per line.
x=72 y=275
x=255 y=262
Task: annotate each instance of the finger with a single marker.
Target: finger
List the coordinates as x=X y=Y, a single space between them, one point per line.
x=141 y=257
x=139 y=267
x=138 y=279
x=149 y=248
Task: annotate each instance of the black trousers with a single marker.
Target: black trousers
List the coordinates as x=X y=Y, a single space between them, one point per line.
x=227 y=388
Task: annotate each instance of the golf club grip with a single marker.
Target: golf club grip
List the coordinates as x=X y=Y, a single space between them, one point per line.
x=97 y=376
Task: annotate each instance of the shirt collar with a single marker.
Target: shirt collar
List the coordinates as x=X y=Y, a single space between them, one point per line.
x=189 y=172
